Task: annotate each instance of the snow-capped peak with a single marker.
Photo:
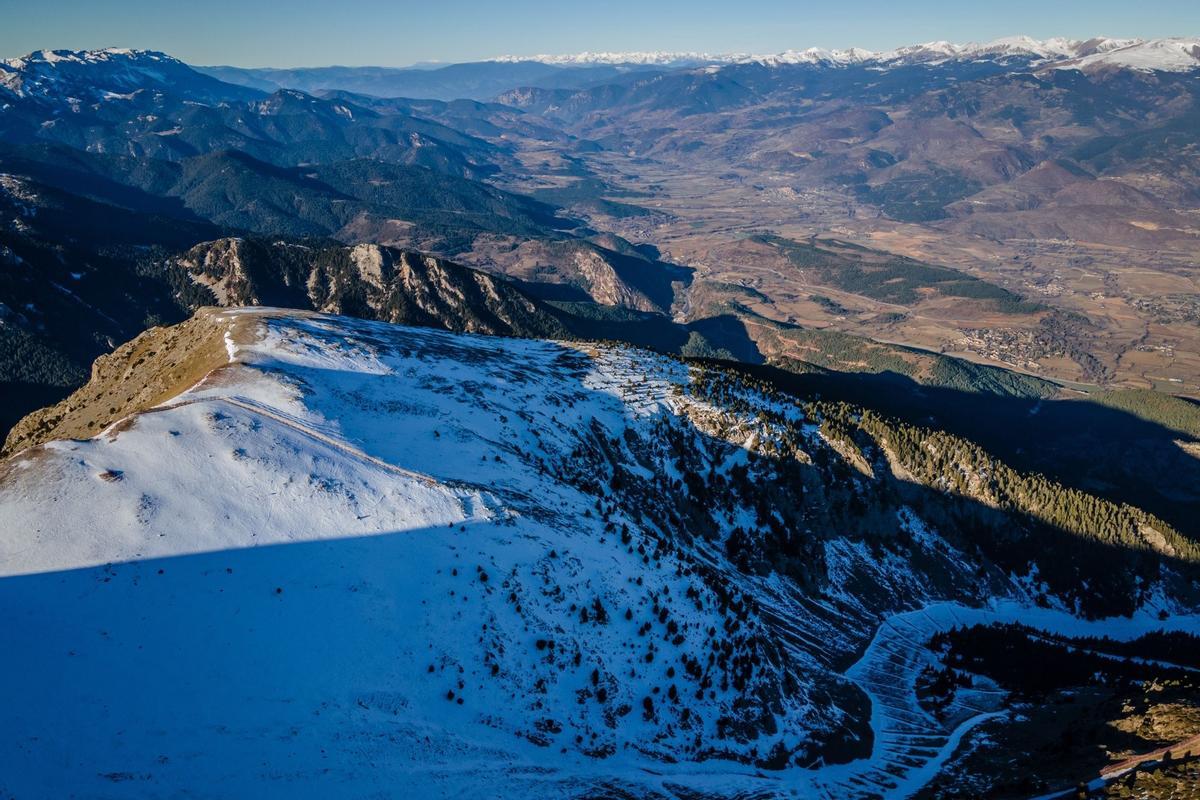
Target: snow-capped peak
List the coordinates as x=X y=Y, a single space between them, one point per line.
x=998 y=49
x=1047 y=48
x=1156 y=55
x=817 y=55
x=85 y=56
x=48 y=72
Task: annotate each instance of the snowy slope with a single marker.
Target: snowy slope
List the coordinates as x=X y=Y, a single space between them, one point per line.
x=419 y=559
x=1163 y=55
x=362 y=557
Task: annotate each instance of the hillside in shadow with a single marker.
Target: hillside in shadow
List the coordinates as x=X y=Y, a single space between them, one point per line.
x=297 y=666
x=1079 y=443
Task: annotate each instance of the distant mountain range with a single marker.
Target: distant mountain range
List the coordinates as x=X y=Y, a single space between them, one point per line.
x=1172 y=54
x=55 y=73
x=477 y=81
x=488 y=78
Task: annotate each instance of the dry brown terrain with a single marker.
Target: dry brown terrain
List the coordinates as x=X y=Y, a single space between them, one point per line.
x=1073 y=191
x=1140 y=298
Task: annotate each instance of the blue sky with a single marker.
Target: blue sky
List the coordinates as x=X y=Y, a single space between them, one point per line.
x=400 y=32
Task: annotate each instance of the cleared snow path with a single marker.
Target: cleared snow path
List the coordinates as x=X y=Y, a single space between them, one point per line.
x=911 y=746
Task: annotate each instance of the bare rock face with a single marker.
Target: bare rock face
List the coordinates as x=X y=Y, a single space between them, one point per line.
x=606 y=286
x=596 y=271
x=368 y=281
x=218 y=267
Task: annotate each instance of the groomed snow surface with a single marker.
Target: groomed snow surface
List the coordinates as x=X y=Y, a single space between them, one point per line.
x=345 y=566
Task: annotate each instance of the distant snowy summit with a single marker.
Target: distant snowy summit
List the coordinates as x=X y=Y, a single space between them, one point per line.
x=1168 y=55
x=84 y=76
x=41 y=70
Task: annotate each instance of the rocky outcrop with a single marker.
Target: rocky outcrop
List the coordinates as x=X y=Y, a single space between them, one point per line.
x=368 y=281
x=140 y=374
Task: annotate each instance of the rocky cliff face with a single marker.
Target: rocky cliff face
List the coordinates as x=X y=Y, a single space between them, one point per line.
x=366 y=281
x=612 y=276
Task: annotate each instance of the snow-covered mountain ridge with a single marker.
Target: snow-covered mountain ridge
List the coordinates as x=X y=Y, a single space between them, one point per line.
x=114 y=73
x=87 y=76
x=1170 y=54
x=396 y=556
